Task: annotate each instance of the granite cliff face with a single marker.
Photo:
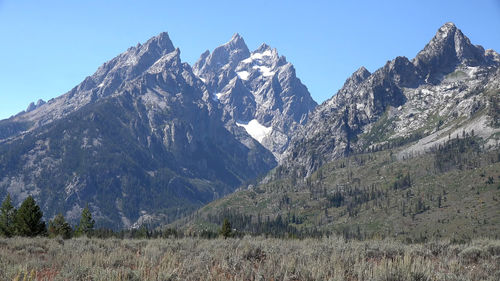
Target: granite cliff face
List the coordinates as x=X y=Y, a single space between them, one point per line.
x=450 y=86
x=140 y=140
x=258 y=91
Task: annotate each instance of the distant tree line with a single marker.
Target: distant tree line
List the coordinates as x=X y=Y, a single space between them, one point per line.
x=27 y=221
x=281 y=226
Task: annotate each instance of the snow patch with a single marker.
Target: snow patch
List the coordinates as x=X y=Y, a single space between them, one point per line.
x=257 y=56
x=247 y=60
x=218 y=95
x=243 y=74
x=266 y=71
x=256 y=130
x=203 y=80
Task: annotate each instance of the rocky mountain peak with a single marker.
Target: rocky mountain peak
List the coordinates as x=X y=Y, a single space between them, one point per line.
x=362 y=72
x=402 y=71
x=217 y=68
x=350 y=85
x=236 y=48
x=258 y=88
x=447 y=49
x=109 y=79
x=262 y=48
x=447 y=29
x=236 y=39
x=398 y=101
x=32 y=106
x=160 y=43
x=126 y=66
x=230 y=53
x=358 y=76
x=492 y=55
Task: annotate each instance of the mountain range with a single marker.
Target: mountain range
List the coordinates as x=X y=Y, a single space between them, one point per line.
x=142 y=136
x=384 y=153
x=435 y=94
x=148 y=139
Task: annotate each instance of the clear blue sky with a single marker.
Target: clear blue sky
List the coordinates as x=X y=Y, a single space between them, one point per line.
x=47 y=47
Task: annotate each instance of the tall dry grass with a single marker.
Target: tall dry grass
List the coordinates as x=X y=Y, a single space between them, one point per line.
x=246 y=259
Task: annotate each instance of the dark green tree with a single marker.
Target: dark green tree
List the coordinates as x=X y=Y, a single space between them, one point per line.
x=86 y=224
x=7 y=217
x=225 y=230
x=59 y=227
x=28 y=219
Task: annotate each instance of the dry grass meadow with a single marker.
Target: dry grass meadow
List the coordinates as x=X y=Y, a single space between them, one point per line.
x=246 y=259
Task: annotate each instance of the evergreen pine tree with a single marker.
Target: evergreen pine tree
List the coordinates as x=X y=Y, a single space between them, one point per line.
x=225 y=231
x=28 y=219
x=7 y=216
x=86 y=222
x=59 y=227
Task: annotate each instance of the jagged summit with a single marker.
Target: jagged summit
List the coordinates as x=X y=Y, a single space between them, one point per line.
x=162 y=41
x=447 y=49
x=236 y=43
x=258 y=87
x=32 y=106
x=492 y=55
x=447 y=28
x=217 y=68
x=359 y=75
x=109 y=79
x=236 y=38
x=126 y=66
x=362 y=69
x=234 y=49
x=262 y=48
x=349 y=86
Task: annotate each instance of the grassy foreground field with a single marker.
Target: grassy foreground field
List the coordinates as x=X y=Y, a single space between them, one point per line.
x=246 y=259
